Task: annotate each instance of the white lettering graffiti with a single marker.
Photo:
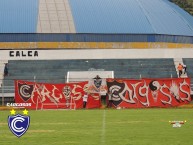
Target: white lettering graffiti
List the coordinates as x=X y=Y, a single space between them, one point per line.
x=76 y=95
x=145 y=94
x=185 y=92
x=135 y=92
x=53 y=94
x=130 y=93
x=55 y=91
x=166 y=94
x=43 y=93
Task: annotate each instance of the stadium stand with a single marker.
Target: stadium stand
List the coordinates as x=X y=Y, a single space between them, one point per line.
x=189 y=64
x=51 y=70
x=55 y=71
x=132 y=25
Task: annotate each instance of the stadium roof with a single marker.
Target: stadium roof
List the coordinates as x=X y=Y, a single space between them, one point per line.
x=94 y=16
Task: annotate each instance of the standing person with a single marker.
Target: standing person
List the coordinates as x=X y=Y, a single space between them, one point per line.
x=110 y=101
x=184 y=66
x=180 y=68
x=6 y=70
x=85 y=99
x=103 y=96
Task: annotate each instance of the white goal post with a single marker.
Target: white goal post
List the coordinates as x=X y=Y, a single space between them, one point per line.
x=80 y=76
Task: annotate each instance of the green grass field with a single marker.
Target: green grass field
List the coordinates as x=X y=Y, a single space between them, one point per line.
x=102 y=127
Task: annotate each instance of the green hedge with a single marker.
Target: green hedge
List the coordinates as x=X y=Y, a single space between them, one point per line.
x=187 y=5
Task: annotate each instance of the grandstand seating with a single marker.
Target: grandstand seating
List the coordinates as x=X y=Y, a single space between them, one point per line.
x=55 y=71
x=189 y=64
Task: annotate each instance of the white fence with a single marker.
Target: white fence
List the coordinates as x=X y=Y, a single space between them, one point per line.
x=79 y=76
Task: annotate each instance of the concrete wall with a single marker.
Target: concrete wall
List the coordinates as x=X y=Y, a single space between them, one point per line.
x=94 y=54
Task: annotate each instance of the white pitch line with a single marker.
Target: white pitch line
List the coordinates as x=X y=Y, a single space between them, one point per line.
x=103 y=128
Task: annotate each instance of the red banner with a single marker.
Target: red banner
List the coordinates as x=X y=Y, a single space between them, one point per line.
x=125 y=93
x=149 y=92
x=45 y=96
